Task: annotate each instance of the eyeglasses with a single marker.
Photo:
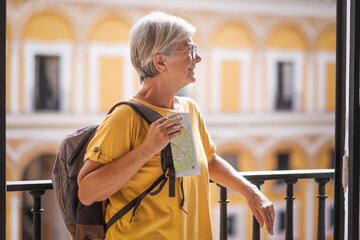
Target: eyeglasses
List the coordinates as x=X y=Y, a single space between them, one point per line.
x=193 y=50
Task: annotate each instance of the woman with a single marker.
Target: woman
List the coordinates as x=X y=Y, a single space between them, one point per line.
x=119 y=167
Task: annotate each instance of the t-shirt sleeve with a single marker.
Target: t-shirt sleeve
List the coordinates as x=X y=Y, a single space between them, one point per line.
x=113 y=138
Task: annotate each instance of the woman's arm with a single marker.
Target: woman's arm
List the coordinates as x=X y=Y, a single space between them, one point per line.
x=98 y=182
x=224 y=174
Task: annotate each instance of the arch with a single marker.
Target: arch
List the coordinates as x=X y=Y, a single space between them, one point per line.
x=286 y=36
x=57 y=27
x=326 y=40
x=232 y=35
x=324 y=155
x=40 y=167
x=298 y=155
x=33 y=153
x=110 y=29
x=245 y=158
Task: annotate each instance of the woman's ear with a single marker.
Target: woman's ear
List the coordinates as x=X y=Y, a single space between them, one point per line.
x=158 y=60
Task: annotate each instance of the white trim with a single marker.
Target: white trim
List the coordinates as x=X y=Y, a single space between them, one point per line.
x=258 y=81
x=281 y=206
x=34 y=138
x=61 y=49
x=323 y=58
x=96 y=51
x=200 y=87
x=240 y=211
x=296 y=57
x=15 y=204
x=309 y=209
x=79 y=79
x=14 y=78
x=304 y=8
x=218 y=55
x=310 y=89
x=329 y=230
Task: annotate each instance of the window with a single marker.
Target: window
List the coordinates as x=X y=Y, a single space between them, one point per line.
x=231 y=221
x=281 y=223
x=282 y=164
x=283 y=161
x=329 y=217
x=284 y=88
x=47 y=87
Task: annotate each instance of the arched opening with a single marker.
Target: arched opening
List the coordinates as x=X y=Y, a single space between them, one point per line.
x=52 y=225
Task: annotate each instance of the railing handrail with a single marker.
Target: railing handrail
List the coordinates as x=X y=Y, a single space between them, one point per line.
x=37 y=188
x=28 y=185
x=288 y=174
x=31 y=185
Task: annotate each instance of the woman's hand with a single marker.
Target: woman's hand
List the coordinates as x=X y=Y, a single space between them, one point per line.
x=262 y=208
x=224 y=174
x=160 y=133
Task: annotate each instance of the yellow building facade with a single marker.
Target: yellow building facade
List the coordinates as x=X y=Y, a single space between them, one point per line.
x=266 y=87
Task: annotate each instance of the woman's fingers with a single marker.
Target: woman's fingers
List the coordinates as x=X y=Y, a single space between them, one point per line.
x=269 y=216
x=263 y=211
x=169 y=127
x=161 y=132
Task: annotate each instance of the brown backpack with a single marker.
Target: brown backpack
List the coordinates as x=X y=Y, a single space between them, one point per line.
x=87 y=222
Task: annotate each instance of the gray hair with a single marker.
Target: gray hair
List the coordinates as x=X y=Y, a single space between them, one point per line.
x=156 y=33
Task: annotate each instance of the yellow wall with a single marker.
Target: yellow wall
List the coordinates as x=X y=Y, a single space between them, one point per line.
x=246 y=160
x=110 y=82
x=230 y=86
x=327 y=40
x=48 y=26
x=110 y=30
x=232 y=36
x=286 y=38
x=330 y=87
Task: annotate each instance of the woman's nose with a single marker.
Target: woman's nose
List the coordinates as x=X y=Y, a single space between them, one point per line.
x=198 y=58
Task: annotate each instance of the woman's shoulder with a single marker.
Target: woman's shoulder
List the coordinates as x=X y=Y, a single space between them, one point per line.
x=122 y=113
x=187 y=100
x=189 y=103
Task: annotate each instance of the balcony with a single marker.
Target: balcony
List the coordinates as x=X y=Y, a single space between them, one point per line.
x=290 y=177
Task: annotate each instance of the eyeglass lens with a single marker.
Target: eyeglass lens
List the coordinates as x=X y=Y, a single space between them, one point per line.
x=194 y=51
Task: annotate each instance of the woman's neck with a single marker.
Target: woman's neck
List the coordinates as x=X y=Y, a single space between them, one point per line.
x=161 y=97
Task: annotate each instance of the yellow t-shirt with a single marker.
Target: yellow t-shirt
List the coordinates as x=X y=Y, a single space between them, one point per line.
x=159 y=216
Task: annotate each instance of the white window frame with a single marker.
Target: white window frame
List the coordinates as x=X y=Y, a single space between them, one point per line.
x=323 y=59
x=240 y=210
x=328 y=206
x=63 y=50
x=96 y=52
x=243 y=57
x=281 y=206
x=272 y=59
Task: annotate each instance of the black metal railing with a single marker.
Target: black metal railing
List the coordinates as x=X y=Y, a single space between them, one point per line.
x=37 y=189
x=290 y=177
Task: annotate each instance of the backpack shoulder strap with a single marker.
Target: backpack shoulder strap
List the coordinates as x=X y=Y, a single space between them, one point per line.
x=146 y=113
x=149 y=116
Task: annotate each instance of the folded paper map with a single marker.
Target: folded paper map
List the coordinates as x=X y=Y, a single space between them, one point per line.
x=183 y=149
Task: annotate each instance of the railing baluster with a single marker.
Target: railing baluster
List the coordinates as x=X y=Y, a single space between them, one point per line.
x=223 y=212
x=256 y=225
x=321 y=207
x=289 y=235
x=37 y=211
x=37 y=188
